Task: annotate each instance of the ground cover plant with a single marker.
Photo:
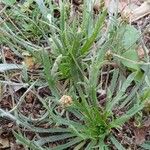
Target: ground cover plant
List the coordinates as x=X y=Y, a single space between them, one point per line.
x=74 y=76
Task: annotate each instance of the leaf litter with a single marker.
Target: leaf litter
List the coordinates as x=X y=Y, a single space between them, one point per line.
x=31 y=106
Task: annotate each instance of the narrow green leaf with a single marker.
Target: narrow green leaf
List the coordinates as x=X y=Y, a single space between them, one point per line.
x=121 y=94
x=131 y=96
x=88 y=20
x=102 y=145
x=80 y=146
x=100 y=22
x=6 y=67
x=43 y=8
x=56 y=65
x=128 y=81
x=69 y=144
x=122 y=119
x=62 y=16
x=47 y=68
x=51 y=130
x=146 y=145
x=91 y=145
x=54 y=138
x=114 y=80
x=132 y=55
x=130 y=37
x=116 y=143
x=8 y=2
x=27 y=142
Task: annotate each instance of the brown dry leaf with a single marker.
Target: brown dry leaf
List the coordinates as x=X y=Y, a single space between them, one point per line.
x=8 y=54
x=15 y=146
x=122 y=3
x=141 y=11
x=30 y=97
x=139 y=135
x=140 y=52
x=134 y=12
x=130 y=10
x=147 y=123
x=4 y=143
x=15 y=86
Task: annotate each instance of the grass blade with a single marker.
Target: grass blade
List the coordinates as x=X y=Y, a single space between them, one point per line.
x=54 y=138
x=26 y=142
x=6 y=67
x=116 y=143
x=96 y=31
x=69 y=144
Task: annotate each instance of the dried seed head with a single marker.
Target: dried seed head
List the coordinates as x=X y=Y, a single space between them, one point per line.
x=66 y=101
x=126 y=15
x=108 y=55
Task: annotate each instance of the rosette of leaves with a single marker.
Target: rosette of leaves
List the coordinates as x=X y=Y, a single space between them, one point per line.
x=85 y=124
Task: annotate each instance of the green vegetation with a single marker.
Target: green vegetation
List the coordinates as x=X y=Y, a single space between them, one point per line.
x=83 y=51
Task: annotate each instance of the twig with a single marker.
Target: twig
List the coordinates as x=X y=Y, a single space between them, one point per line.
x=22 y=97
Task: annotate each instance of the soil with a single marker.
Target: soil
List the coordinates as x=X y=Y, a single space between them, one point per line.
x=129 y=135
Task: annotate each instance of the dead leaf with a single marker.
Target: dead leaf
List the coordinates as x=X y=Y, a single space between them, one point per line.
x=141 y=132
x=4 y=143
x=6 y=67
x=133 y=13
x=30 y=97
x=140 y=52
x=15 y=86
x=122 y=4
x=8 y=54
x=147 y=123
x=139 y=135
x=141 y=11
